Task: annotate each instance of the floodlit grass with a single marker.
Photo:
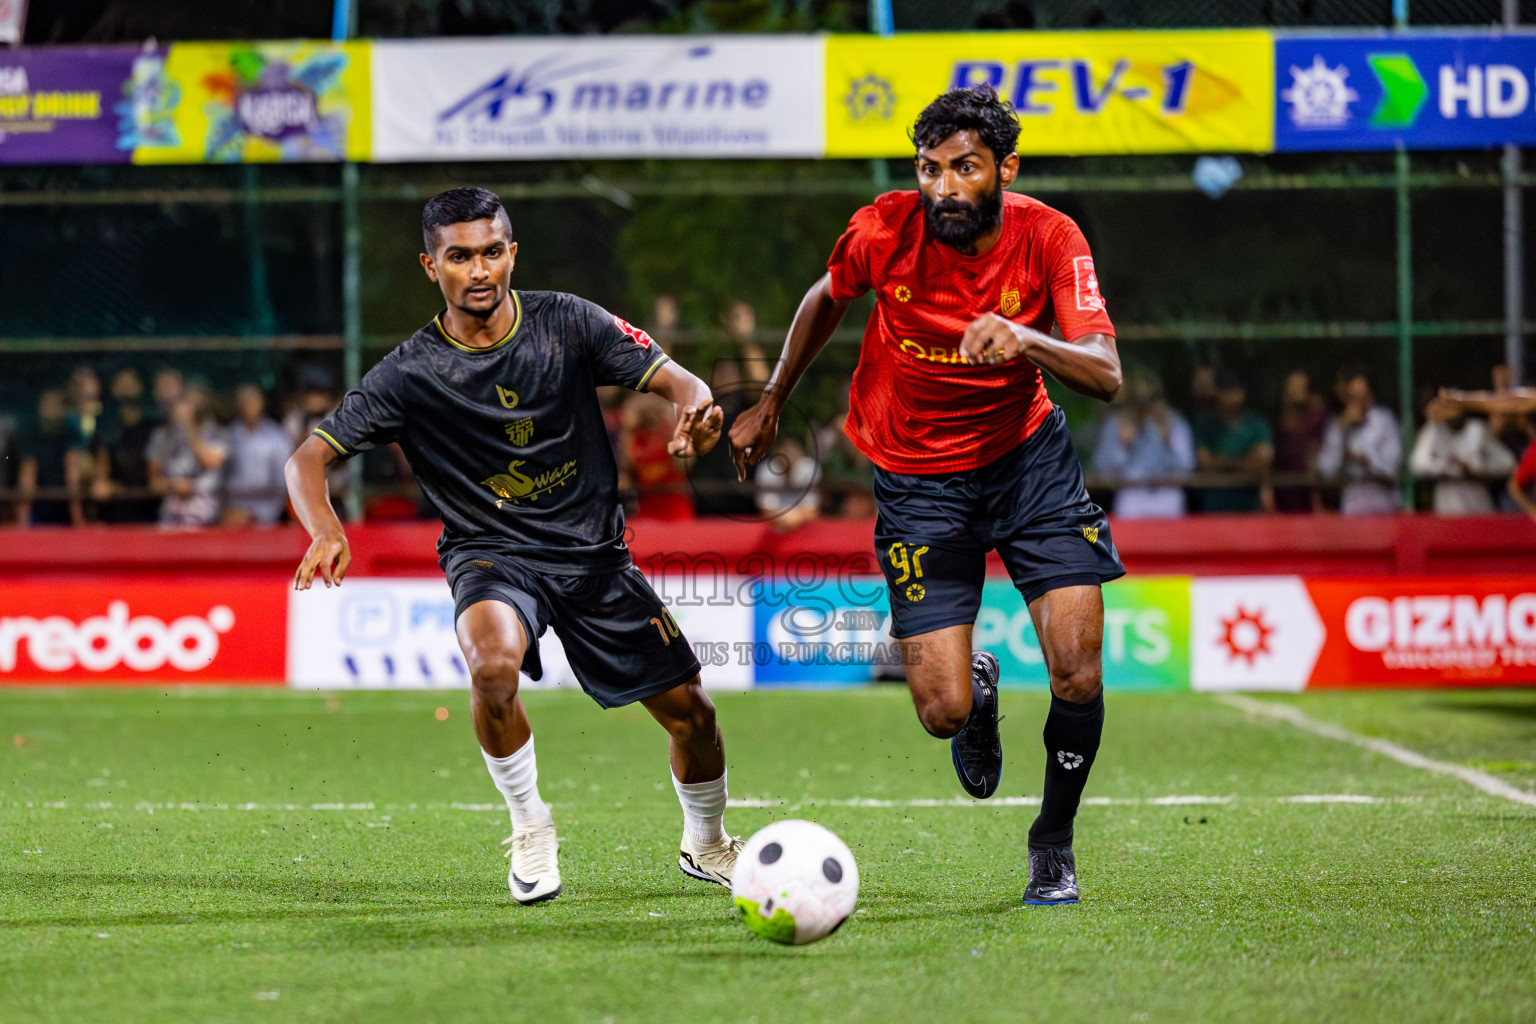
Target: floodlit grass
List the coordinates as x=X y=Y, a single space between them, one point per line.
x=267 y=856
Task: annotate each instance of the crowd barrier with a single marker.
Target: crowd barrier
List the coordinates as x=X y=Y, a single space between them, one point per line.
x=1215 y=603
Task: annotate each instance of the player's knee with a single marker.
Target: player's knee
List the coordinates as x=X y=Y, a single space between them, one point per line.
x=493 y=673
x=1078 y=677
x=944 y=715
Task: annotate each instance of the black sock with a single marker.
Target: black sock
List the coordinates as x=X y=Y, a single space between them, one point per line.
x=1072 y=734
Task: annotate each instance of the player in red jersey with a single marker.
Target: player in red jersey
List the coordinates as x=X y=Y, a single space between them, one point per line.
x=970 y=453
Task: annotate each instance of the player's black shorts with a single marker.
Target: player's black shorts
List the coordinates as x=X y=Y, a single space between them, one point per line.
x=622 y=643
x=934 y=531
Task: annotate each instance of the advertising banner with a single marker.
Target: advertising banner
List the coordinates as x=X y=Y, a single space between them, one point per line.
x=670 y=96
x=1146 y=634
x=266 y=102
x=1286 y=633
x=1075 y=92
x=69 y=106
x=399 y=634
x=1425 y=91
x=142 y=631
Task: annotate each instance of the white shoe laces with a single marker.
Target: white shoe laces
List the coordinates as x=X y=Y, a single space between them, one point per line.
x=534 y=851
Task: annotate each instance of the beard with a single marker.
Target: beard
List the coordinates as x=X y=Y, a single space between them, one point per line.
x=959 y=224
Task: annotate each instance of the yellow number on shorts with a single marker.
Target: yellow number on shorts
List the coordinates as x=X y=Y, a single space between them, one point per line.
x=667 y=627
x=911 y=566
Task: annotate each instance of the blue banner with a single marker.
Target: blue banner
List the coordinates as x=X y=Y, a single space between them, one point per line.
x=1425 y=91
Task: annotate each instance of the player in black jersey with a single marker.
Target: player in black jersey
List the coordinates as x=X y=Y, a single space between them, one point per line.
x=494 y=405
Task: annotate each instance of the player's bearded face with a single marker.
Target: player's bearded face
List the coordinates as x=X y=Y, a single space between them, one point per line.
x=958 y=223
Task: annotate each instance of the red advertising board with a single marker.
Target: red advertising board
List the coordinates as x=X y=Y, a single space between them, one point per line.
x=1430 y=631
x=143 y=631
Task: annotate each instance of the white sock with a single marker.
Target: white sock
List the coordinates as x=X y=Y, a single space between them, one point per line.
x=703 y=809
x=517 y=776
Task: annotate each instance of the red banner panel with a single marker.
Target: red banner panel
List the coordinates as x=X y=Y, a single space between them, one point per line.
x=1430 y=631
x=143 y=631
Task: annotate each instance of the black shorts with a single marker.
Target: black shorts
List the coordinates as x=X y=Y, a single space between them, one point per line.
x=622 y=643
x=934 y=531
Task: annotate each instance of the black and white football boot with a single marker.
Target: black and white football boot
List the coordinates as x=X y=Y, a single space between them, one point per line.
x=1052 y=876
x=977 y=749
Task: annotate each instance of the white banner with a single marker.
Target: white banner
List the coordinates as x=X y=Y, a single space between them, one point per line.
x=637 y=96
x=13 y=20
x=398 y=634
x=1252 y=633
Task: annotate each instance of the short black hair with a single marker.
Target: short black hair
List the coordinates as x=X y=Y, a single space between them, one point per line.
x=1228 y=380
x=1350 y=370
x=978 y=109
x=459 y=206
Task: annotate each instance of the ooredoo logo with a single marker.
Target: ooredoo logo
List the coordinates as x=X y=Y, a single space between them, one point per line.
x=142 y=643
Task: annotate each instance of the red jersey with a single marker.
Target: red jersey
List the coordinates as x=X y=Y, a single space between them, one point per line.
x=914 y=406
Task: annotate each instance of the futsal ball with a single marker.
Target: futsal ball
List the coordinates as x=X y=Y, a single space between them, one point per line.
x=795 y=882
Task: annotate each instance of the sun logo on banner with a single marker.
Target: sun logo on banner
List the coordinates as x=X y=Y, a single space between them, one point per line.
x=1246 y=635
x=870 y=96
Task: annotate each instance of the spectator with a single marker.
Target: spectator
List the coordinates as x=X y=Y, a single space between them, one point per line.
x=314 y=401
x=1461 y=455
x=665 y=317
x=658 y=477
x=847 y=475
x=1362 y=448
x=50 y=463
x=185 y=456
x=121 y=483
x=169 y=385
x=254 y=491
x=83 y=394
x=1299 y=433
x=1234 y=439
x=1145 y=440
x=1523 y=480
x=1202 y=396
x=786 y=486
x=741 y=325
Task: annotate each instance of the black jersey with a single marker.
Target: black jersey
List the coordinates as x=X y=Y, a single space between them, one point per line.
x=508 y=442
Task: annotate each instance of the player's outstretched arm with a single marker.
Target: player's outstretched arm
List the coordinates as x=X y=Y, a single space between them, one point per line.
x=754 y=430
x=328 y=553
x=1089 y=365
x=699 y=419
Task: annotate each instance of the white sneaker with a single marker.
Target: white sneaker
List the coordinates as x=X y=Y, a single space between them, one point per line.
x=712 y=863
x=535 y=873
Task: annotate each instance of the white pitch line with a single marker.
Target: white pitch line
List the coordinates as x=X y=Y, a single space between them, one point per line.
x=1413 y=759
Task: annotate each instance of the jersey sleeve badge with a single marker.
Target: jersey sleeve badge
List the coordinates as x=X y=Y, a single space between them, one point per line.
x=1088 y=297
x=640 y=337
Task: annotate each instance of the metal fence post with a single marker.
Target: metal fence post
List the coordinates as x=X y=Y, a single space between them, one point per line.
x=1514 y=245
x=343 y=27
x=1405 y=317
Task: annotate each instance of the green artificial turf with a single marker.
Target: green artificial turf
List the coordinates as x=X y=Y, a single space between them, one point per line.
x=275 y=856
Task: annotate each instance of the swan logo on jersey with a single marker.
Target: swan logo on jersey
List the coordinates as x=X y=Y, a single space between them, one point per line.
x=516 y=486
x=641 y=338
x=1088 y=297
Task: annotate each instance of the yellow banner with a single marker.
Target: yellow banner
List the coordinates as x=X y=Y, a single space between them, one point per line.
x=268 y=102
x=1075 y=92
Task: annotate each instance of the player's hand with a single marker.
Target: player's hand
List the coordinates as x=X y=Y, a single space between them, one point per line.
x=990 y=339
x=698 y=430
x=752 y=435
x=328 y=555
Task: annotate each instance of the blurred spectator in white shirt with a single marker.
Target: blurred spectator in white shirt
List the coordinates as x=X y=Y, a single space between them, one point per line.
x=1461 y=455
x=254 y=491
x=185 y=456
x=1145 y=440
x=1362 y=449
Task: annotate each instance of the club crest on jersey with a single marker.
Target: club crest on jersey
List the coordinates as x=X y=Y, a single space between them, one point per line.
x=641 y=338
x=1091 y=534
x=1010 y=303
x=508 y=397
x=1088 y=297
x=520 y=432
